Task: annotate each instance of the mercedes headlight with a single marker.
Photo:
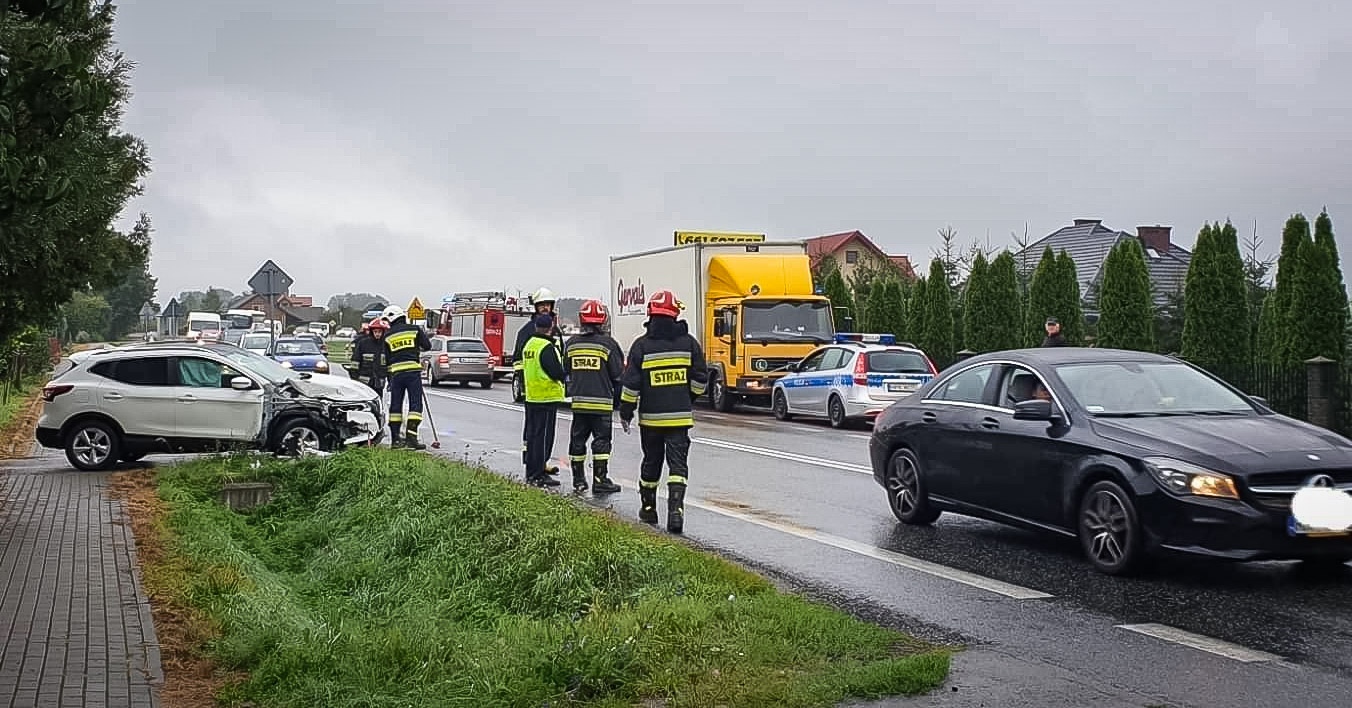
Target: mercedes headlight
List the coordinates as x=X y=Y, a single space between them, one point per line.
x=1185 y=478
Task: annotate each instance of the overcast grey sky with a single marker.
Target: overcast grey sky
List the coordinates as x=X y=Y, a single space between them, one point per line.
x=418 y=147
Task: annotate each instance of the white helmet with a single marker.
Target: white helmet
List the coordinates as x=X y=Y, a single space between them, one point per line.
x=392 y=313
x=542 y=295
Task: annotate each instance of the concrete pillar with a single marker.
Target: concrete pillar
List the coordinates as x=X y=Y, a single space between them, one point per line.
x=1321 y=393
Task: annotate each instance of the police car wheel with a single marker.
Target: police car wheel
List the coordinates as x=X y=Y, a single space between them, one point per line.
x=835 y=410
x=781 y=406
x=906 y=493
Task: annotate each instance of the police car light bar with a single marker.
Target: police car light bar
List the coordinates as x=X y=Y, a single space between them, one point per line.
x=888 y=339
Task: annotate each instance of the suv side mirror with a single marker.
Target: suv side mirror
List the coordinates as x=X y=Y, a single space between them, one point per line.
x=1035 y=409
x=241 y=383
x=1260 y=401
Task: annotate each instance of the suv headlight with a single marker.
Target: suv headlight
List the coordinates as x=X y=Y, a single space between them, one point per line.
x=1185 y=478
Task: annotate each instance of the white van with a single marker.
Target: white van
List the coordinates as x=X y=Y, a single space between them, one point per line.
x=199 y=322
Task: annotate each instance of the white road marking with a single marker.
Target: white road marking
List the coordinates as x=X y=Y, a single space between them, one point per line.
x=1200 y=642
x=900 y=560
x=711 y=442
x=781 y=455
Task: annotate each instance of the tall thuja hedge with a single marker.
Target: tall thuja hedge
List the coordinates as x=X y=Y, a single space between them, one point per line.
x=915 y=311
x=976 y=307
x=842 y=302
x=937 y=340
x=1275 y=328
x=1126 y=308
x=1006 y=306
x=1216 y=330
x=895 y=319
x=1070 y=300
x=1317 y=316
x=1055 y=292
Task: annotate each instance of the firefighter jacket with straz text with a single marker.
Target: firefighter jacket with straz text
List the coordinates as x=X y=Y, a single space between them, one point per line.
x=594 y=363
x=404 y=344
x=664 y=373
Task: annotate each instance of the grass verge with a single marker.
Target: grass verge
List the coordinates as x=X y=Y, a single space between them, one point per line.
x=379 y=578
x=18 y=417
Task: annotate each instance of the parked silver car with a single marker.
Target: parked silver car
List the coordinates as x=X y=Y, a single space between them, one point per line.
x=464 y=360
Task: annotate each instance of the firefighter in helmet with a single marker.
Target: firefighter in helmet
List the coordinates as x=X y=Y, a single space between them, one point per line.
x=663 y=375
x=543 y=300
x=368 y=350
x=404 y=344
x=594 y=364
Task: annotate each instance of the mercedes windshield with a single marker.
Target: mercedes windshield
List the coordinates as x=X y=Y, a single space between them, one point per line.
x=1127 y=389
x=787 y=321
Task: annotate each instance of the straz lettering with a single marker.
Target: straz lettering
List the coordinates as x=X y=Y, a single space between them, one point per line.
x=668 y=377
x=402 y=341
x=586 y=363
x=626 y=298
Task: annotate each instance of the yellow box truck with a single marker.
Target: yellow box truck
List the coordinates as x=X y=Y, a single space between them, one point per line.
x=751 y=306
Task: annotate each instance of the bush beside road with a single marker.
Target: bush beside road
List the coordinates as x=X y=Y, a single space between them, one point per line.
x=385 y=577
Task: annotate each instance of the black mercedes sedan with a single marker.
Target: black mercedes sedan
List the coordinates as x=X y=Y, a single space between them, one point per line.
x=1133 y=453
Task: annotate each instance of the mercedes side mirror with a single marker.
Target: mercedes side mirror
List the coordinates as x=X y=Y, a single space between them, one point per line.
x=1035 y=409
x=241 y=383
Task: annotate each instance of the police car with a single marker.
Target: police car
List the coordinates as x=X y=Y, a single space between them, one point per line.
x=854 y=378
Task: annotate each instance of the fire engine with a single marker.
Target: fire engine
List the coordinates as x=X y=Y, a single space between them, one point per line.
x=490 y=316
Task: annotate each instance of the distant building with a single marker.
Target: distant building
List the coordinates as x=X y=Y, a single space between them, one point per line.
x=294 y=310
x=853 y=249
x=1088 y=243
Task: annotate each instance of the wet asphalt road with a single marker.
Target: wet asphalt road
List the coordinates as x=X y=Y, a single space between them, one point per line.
x=797 y=500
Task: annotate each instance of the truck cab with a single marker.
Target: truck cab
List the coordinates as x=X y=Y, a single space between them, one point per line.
x=752 y=307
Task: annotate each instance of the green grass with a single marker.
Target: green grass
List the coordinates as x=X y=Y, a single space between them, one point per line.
x=379 y=578
x=18 y=400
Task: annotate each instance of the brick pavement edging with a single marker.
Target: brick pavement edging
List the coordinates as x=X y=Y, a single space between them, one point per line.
x=74 y=619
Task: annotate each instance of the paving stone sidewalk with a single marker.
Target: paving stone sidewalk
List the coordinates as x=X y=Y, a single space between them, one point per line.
x=74 y=620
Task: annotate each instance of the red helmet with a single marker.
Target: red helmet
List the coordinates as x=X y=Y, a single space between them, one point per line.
x=379 y=324
x=664 y=302
x=592 y=312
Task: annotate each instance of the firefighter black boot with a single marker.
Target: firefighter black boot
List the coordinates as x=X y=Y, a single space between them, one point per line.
x=396 y=435
x=579 y=475
x=647 y=512
x=675 y=508
x=411 y=441
x=601 y=483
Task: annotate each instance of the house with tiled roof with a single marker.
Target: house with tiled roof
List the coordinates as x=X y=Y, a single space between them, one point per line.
x=1088 y=243
x=852 y=250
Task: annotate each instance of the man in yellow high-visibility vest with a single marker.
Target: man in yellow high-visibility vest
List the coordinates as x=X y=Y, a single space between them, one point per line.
x=542 y=368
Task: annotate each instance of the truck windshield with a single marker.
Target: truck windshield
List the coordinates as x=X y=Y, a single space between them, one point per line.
x=786 y=322
x=237 y=321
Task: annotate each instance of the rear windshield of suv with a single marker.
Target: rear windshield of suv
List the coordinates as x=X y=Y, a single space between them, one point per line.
x=897 y=362
x=465 y=346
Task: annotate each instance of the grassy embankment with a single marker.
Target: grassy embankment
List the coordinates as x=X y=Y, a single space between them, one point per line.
x=379 y=578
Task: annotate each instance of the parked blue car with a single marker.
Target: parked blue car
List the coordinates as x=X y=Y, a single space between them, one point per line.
x=300 y=354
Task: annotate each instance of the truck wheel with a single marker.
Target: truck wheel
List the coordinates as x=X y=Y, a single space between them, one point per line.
x=722 y=401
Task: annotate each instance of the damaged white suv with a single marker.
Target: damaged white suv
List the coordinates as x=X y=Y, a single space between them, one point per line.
x=174 y=397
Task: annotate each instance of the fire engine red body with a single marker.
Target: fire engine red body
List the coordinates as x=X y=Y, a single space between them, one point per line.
x=490 y=316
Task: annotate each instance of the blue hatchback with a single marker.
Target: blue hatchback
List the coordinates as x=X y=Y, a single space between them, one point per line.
x=300 y=354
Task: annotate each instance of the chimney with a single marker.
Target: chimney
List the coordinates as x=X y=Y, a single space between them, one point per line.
x=1088 y=222
x=1156 y=237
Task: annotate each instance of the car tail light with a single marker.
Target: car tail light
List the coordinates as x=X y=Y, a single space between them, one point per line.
x=444 y=359
x=861 y=370
x=49 y=393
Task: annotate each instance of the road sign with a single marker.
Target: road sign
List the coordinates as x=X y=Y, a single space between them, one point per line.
x=685 y=237
x=416 y=311
x=271 y=280
x=173 y=310
x=147 y=311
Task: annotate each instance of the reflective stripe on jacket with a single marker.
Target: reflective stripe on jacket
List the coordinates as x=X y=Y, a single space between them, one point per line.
x=594 y=364
x=404 y=345
x=665 y=371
